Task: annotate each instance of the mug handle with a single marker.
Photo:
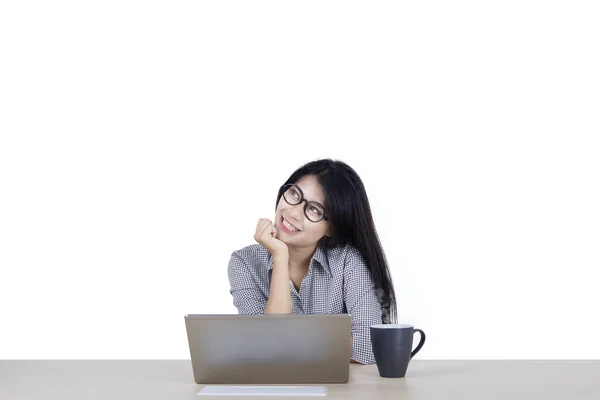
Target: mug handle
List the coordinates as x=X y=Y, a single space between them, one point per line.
x=421 y=342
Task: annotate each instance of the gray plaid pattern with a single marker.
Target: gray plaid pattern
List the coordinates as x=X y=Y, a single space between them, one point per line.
x=337 y=282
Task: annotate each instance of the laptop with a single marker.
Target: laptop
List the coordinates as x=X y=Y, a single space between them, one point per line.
x=270 y=348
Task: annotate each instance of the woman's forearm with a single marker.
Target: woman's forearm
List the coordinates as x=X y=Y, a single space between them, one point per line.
x=280 y=300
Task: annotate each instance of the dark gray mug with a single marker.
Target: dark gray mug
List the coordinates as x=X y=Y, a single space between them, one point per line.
x=392 y=348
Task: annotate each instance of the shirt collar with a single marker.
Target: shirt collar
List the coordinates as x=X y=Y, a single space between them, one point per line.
x=320 y=256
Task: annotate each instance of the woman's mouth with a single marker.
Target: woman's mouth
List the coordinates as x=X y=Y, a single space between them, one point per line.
x=287 y=227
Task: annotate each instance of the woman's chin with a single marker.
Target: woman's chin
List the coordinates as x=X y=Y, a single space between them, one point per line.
x=279 y=236
x=283 y=239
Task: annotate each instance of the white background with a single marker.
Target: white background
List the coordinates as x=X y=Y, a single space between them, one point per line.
x=141 y=141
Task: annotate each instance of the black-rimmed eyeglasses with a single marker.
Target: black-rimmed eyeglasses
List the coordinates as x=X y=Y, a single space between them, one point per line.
x=313 y=210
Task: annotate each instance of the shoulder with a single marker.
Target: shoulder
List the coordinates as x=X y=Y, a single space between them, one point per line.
x=347 y=256
x=344 y=252
x=254 y=255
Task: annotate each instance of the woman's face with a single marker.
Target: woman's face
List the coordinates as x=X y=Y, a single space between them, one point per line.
x=308 y=233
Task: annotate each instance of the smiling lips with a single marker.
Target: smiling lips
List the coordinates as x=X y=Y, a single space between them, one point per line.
x=289 y=228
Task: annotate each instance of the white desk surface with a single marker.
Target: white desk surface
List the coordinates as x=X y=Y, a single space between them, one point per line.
x=172 y=379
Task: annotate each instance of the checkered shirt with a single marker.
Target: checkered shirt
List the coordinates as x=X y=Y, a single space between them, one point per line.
x=337 y=282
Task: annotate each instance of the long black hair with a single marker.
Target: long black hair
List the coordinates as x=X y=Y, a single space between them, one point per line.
x=349 y=215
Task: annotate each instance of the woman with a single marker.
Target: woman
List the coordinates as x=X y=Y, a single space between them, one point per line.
x=321 y=256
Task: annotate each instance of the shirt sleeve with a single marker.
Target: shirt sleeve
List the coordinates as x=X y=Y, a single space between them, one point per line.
x=247 y=296
x=362 y=304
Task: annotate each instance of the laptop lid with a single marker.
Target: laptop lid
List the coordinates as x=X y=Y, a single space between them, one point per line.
x=270 y=348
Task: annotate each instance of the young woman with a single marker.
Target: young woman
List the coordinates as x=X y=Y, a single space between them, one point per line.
x=321 y=255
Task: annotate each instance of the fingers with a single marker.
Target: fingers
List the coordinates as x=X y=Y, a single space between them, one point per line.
x=260 y=227
x=273 y=231
x=264 y=228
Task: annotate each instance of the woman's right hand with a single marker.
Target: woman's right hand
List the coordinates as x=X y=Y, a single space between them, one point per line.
x=266 y=235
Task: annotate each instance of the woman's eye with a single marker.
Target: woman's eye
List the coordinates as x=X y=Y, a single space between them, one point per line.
x=315 y=210
x=295 y=193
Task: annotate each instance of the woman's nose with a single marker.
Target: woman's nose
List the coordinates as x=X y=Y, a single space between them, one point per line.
x=297 y=211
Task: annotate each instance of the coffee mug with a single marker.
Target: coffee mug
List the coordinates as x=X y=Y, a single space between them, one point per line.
x=392 y=348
